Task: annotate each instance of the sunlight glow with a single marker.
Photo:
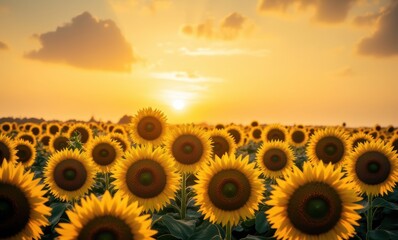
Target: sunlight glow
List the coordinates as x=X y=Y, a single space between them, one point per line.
x=178 y=104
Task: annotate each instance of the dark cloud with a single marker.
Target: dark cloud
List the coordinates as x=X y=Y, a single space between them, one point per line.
x=367 y=19
x=329 y=11
x=3 y=46
x=86 y=43
x=231 y=27
x=384 y=41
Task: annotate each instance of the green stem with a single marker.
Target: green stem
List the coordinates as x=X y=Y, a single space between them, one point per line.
x=183 y=195
x=106 y=181
x=369 y=216
x=228 y=231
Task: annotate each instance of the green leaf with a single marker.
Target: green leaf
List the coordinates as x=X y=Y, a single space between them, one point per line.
x=261 y=223
x=167 y=237
x=57 y=211
x=252 y=237
x=381 y=202
x=389 y=222
x=181 y=229
x=382 y=234
x=206 y=231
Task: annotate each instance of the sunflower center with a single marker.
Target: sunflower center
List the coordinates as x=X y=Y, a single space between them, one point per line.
x=6 y=127
x=229 y=189
x=14 y=210
x=235 y=134
x=106 y=228
x=54 y=130
x=358 y=141
x=275 y=134
x=257 y=134
x=220 y=146
x=84 y=134
x=146 y=178
x=70 y=174
x=60 y=143
x=104 y=154
x=330 y=149
x=122 y=144
x=4 y=152
x=373 y=167
x=187 y=149
x=317 y=208
x=45 y=140
x=314 y=208
x=24 y=153
x=27 y=138
x=149 y=128
x=275 y=159
x=298 y=136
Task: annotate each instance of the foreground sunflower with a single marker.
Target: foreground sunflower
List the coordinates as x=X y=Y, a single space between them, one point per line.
x=26 y=153
x=22 y=204
x=104 y=153
x=274 y=132
x=7 y=149
x=316 y=203
x=222 y=142
x=275 y=159
x=83 y=130
x=373 y=167
x=228 y=190
x=109 y=218
x=328 y=145
x=69 y=174
x=148 y=176
x=189 y=146
x=298 y=137
x=148 y=126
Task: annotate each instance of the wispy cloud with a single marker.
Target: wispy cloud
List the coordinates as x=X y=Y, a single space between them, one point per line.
x=3 y=46
x=184 y=76
x=223 y=52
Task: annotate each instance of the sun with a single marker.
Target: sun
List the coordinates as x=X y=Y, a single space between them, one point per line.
x=178 y=104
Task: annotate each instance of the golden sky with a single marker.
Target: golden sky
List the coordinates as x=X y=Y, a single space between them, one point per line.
x=319 y=62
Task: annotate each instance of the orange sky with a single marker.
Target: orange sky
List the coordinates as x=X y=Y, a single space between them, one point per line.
x=319 y=62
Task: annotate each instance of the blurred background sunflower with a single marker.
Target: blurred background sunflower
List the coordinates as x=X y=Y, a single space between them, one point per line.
x=297 y=137
x=237 y=133
x=26 y=153
x=7 y=149
x=82 y=130
x=274 y=132
x=104 y=153
x=221 y=142
x=58 y=143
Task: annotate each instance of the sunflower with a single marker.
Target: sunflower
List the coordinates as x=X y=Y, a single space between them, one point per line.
x=275 y=158
x=228 y=190
x=274 y=132
x=256 y=133
x=22 y=204
x=189 y=146
x=5 y=127
x=69 y=174
x=26 y=152
x=58 y=143
x=148 y=176
x=27 y=136
x=222 y=142
x=119 y=129
x=328 y=145
x=65 y=128
x=7 y=149
x=104 y=153
x=45 y=139
x=43 y=126
x=108 y=218
x=316 y=203
x=373 y=167
x=298 y=137
x=394 y=142
x=83 y=130
x=53 y=128
x=237 y=133
x=148 y=126
x=358 y=138
x=122 y=140
x=35 y=130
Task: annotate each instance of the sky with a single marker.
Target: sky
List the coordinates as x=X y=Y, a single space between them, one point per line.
x=312 y=62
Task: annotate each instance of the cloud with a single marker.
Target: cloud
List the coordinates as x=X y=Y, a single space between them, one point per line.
x=231 y=27
x=3 y=46
x=384 y=41
x=223 y=52
x=345 y=72
x=328 y=11
x=88 y=43
x=152 y=5
x=367 y=19
x=184 y=76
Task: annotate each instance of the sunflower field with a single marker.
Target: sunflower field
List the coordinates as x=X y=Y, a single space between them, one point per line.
x=150 y=179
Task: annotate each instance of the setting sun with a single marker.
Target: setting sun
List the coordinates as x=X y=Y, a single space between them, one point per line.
x=178 y=104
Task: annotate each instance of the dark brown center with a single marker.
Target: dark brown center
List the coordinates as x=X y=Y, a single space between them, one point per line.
x=275 y=134
x=106 y=228
x=104 y=154
x=372 y=168
x=24 y=153
x=275 y=159
x=330 y=149
x=70 y=175
x=149 y=128
x=220 y=146
x=187 y=149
